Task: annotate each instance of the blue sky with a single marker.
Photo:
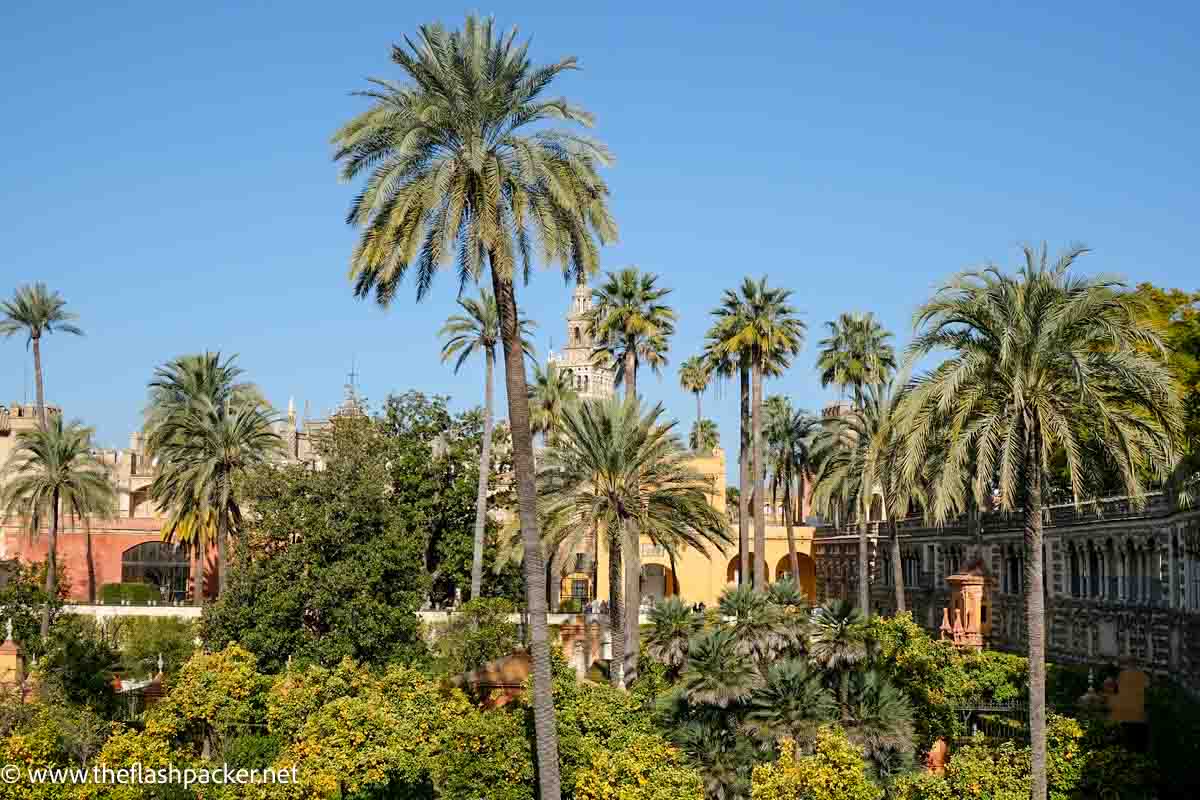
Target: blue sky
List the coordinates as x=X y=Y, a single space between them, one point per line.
x=166 y=167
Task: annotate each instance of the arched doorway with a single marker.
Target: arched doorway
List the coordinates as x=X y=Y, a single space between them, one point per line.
x=159 y=564
x=658 y=582
x=733 y=571
x=808 y=574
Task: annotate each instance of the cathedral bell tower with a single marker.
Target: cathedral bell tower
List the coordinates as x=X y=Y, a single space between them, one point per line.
x=591 y=382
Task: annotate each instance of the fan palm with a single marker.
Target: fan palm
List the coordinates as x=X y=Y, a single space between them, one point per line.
x=618 y=468
x=758 y=624
x=838 y=640
x=761 y=322
x=477 y=330
x=1041 y=360
x=457 y=162
x=856 y=353
x=50 y=470
x=791 y=704
x=878 y=717
x=36 y=311
x=674 y=623
x=719 y=671
x=550 y=395
x=704 y=437
x=693 y=377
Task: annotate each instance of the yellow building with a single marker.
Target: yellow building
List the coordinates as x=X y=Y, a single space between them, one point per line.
x=696 y=577
x=702 y=576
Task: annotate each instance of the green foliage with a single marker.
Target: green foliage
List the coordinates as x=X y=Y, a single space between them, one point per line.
x=134 y=593
x=334 y=561
x=141 y=640
x=477 y=633
x=836 y=771
x=22 y=600
x=78 y=664
x=1174 y=717
x=646 y=767
x=936 y=676
x=1002 y=771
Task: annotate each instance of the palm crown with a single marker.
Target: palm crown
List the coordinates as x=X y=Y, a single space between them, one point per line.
x=35 y=311
x=478 y=330
x=857 y=352
x=452 y=170
x=630 y=324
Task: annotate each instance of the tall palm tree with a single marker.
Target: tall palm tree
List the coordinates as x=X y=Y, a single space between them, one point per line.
x=36 y=311
x=760 y=321
x=1042 y=360
x=623 y=469
x=52 y=470
x=550 y=395
x=724 y=364
x=478 y=331
x=457 y=160
x=857 y=352
x=704 y=436
x=204 y=428
x=792 y=435
x=631 y=325
x=857 y=463
x=694 y=377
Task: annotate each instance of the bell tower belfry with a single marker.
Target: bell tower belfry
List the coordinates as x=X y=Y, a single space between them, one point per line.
x=591 y=382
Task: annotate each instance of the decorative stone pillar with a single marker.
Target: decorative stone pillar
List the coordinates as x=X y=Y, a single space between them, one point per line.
x=12 y=662
x=968 y=598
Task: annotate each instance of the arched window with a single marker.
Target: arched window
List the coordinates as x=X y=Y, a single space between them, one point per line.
x=159 y=564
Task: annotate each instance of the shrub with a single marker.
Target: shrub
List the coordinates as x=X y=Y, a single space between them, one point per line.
x=142 y=640
x=477 y=634
x=643 y=767
x=836 y=771
x=133 y=593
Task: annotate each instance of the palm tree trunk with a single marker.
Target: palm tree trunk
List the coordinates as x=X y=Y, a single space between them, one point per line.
x=760 y=522
x=222 y=564
x=91 y=562
x=699 y=416
x=616 y=610
x=744 y=490
x=485 y=452
x=897 y=571
x=198 y=573
x=545 y=730
x=37 y=380
x=51 y=565
x=1035 y=609
x=633 y=549
x=864 y=571
x=793 y=558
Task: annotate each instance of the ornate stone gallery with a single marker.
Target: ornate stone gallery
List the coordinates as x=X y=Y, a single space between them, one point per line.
x=1122 y=583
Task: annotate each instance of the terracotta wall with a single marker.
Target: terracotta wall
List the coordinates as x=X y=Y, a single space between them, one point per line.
x=110 y=539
